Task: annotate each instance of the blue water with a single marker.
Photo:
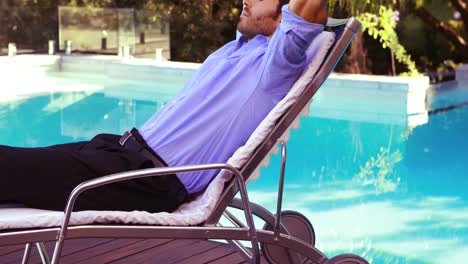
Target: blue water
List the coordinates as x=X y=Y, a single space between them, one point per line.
x=389 y=192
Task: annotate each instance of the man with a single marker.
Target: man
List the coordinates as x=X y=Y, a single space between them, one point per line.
x=210 y=118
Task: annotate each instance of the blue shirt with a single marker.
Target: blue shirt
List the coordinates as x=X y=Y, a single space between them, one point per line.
x=228 y=97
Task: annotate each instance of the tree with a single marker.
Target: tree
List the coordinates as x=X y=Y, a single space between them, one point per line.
x=198 y=27
x=453 y=29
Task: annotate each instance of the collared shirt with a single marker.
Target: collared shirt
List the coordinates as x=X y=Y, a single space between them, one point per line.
x=228 y=97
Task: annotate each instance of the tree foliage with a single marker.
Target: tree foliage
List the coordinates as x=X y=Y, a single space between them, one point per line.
x=382 y=27
x=454 y=30
x=197 y=27
x=200 y=27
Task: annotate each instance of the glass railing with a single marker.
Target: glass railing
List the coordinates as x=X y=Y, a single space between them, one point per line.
x=118 y=31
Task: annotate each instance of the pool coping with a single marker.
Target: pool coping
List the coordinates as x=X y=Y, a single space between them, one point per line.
x=61 y=61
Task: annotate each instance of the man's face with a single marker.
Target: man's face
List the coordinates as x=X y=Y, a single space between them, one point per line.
x=259 y=17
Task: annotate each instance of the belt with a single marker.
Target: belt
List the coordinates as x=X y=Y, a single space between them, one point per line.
x=132 y=140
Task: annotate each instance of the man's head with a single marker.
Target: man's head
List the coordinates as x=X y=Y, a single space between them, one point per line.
x=260 y=17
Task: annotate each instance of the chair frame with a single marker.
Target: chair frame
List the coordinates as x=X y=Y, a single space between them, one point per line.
x=211 y=228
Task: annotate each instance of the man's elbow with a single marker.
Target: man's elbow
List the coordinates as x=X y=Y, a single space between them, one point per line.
x=313 y=11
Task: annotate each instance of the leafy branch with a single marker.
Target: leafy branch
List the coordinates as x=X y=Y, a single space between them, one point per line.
x=382 y=27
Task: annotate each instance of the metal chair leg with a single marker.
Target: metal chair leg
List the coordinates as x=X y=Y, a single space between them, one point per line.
x=43 y=252
x=27 y=251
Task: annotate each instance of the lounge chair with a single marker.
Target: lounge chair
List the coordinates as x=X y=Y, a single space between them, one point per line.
x=287 y=237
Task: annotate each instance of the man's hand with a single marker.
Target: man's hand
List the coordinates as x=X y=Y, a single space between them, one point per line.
x=314 y=11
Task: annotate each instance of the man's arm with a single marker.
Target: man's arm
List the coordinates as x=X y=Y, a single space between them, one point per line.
x=313 y=11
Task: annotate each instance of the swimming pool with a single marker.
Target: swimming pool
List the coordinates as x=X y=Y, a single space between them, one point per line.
x=389 y=191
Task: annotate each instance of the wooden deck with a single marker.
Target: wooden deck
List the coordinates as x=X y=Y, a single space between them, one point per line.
x=97 y=250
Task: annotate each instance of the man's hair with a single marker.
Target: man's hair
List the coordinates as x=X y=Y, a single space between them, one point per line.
x=281 y=4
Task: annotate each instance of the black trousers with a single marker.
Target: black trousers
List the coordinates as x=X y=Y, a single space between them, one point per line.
x=44 y=177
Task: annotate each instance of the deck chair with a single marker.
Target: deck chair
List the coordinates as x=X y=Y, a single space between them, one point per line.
x=200 y=219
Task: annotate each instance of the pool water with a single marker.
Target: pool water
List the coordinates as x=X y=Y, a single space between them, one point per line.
x=387 y=192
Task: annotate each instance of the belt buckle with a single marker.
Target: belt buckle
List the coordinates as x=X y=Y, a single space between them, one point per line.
x=126 y=136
